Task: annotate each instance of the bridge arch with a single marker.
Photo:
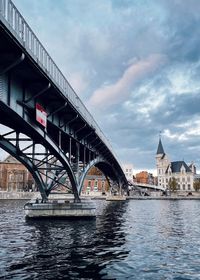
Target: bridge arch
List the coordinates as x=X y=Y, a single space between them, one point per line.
x=105 y=167
x=58 y=161
x=16 y=153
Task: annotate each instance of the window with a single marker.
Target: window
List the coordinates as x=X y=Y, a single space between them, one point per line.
x=188 y=179
x=189 y=188
x=9 y=186
x=184 y=187
x=96 y=185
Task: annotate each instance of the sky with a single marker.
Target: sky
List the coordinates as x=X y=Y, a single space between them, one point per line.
x=136 y=66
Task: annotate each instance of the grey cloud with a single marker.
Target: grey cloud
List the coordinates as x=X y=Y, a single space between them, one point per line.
x=101 y=39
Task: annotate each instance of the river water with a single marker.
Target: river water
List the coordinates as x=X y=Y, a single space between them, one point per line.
x=136 y=239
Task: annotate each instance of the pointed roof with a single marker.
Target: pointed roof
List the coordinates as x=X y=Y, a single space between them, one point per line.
x=10 y=159
x=176 y=166
x=160 y=149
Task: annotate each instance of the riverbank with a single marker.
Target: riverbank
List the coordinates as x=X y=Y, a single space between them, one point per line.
x=165 y=198
x=34 y=195
x=19 y=195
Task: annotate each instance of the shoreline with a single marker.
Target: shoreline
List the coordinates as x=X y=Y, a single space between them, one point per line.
x=34 y=195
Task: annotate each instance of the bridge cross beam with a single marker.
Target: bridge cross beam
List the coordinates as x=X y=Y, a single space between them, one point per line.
x=13 y=64
x=38 y=94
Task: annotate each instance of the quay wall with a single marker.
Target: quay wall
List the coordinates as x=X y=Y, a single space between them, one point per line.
x=19 y=195
x=57 y=196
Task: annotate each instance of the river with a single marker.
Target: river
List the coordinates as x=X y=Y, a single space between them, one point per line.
x=136 y=239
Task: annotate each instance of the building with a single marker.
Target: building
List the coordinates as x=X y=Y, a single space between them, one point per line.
x=14 y=176
x=166 y=170
x=95 y=182
x=128 y=171
x=145 y=177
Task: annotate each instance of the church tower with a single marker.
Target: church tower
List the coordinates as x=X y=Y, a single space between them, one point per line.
x=162 y=162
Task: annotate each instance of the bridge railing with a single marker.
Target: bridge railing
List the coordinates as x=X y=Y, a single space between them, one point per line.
x=21 y=30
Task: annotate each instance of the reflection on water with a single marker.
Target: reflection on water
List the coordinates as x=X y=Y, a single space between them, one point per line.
x=128 y=240
x=61 y=249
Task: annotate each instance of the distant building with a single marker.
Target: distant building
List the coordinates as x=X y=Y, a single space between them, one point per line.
x=166 y=170
x=95 y=181
x=128 y=171
x=14 y=176
x=144 y=177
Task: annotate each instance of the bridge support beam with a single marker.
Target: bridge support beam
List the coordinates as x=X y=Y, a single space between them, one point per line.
x=38 y=94
x=13 y=64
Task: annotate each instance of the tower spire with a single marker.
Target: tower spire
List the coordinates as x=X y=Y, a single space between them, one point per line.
x=160 y=149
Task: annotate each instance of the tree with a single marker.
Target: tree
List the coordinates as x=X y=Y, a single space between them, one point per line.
x=196 y=185
x=173 y=184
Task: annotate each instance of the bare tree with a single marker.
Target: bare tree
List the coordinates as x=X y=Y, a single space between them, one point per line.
x=173 y=184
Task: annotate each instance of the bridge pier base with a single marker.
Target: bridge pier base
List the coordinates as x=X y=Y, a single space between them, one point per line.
x=56 y=209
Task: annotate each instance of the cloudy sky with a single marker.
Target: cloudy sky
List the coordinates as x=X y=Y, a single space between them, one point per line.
x=136 y=66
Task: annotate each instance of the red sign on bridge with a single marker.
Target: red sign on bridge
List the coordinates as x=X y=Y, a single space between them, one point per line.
x=41 y=115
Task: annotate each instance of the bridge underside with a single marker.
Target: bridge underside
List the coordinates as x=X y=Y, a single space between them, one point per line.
x=61 y=152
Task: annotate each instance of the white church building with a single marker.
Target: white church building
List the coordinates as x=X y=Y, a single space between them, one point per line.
x=166 y=170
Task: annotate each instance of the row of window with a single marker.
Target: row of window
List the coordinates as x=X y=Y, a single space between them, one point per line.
x=16 y=177
x=128 y=170
x=182 y=179
x=161 y=171
x=128 y=175
x=15 y=186
x=96 y=184
x=181 y=187
x=184 y=187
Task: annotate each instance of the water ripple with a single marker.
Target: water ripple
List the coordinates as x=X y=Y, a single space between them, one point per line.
x=129 y=240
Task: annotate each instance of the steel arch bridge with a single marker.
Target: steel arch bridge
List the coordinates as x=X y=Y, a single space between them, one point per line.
x=50 y=130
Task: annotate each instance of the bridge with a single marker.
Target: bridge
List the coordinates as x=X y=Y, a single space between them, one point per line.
x=50 y=130
x=149 y=186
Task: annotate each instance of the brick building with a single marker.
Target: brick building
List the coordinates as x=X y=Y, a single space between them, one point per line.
x=95 y=181
x=14 y=176
x=144 y=177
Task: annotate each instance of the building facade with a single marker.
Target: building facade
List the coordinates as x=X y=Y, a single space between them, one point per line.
x=145 y=177
x=128 y=171
x=14 y=176
x=179 y=170
x=95 y=182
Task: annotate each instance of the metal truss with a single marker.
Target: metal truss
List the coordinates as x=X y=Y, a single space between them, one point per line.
x=112 y=180
x=48 y=172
